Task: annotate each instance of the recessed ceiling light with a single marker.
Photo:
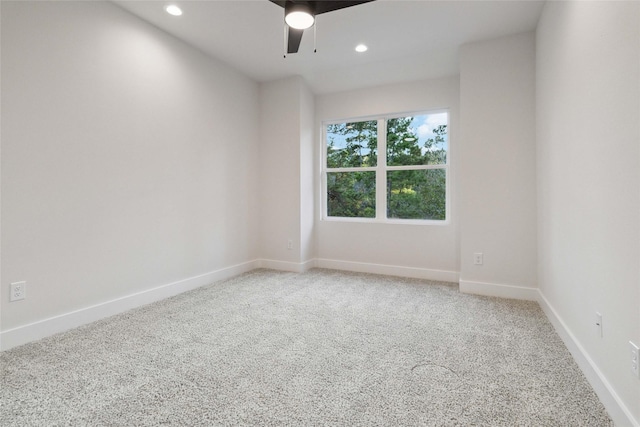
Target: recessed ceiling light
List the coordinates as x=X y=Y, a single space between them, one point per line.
x=361 y=48
x=174 y=10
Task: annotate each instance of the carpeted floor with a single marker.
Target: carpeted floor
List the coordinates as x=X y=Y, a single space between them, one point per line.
x=319 y=348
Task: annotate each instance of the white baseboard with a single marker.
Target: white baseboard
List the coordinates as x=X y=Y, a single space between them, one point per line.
x=619 y=413
x=296 y=267
x=63 y=322
x=498 y=290
x=389 y=270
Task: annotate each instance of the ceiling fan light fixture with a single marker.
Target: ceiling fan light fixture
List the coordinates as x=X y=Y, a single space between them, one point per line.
x=298 y=16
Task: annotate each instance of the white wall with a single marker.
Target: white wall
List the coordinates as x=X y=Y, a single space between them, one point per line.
x=497 y=186
x=421 y=250
x=286 y=173
x=588 y=130
x=308 y=173
x=129 y=160
x=279 y=170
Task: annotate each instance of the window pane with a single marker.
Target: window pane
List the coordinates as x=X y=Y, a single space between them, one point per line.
x=352 y=144
x=351 y=194
x=416 y=194
x=417 y=140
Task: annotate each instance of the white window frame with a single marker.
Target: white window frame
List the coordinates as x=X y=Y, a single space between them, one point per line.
x=381 y=171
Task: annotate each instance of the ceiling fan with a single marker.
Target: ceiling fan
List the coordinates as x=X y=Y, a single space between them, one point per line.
x=300 y=15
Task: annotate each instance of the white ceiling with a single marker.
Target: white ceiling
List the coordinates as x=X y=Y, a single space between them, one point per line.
x=408 y=40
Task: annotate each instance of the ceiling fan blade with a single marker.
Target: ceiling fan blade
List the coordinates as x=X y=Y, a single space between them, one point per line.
x=329 y=6
x=293 y=40
x=322 y=6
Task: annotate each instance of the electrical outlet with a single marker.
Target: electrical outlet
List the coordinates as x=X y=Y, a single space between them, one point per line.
x=635 y=359
x=18 y=291
x=290 y=244
x=599 y=324
x=478 y=258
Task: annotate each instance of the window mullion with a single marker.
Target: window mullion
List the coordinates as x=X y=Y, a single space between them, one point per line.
x=381 y=172
x=417 y=167
x=356 y=169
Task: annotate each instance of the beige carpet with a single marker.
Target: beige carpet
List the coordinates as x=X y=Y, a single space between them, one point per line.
x=319 y=348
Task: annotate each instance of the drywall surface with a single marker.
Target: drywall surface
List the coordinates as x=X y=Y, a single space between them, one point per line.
x=497 y=185
x=588 y=138
x=430 y=247
x=128 y=159
x=307 y=174
x=280 y=169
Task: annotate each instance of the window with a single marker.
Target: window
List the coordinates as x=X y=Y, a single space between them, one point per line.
x=387 y=169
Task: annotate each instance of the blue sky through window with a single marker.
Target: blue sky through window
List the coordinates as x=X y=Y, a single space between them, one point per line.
x=422 y=126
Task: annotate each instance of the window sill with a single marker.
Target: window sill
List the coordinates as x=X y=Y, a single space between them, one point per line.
x=420 y=222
